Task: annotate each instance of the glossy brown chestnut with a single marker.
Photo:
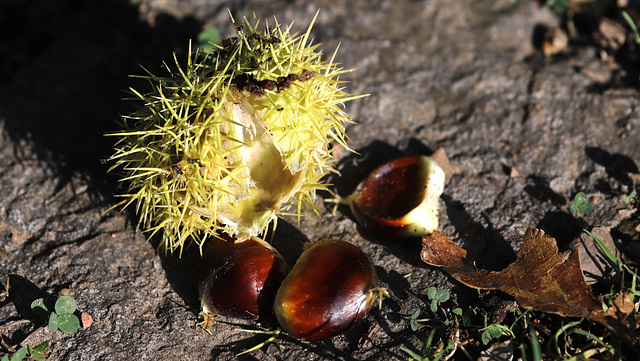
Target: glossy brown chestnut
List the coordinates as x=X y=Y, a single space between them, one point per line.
x=399 y=198
x=332 y=286
x=240 y=278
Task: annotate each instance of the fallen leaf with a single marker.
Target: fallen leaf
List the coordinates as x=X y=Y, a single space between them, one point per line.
x=86 y=319
x=540 y=278
x=623 y=310
x=555 y=41
x=65 y=292
x=610 y=35
x=440 y=157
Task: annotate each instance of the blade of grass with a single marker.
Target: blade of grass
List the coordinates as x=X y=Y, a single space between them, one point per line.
x=561 y=331
x=413 y=354
x=589 y=335
x=610 y=257
x=536 y=352
x=427 y=343
x=523 y=352
x=632 y=25
x=634 y=292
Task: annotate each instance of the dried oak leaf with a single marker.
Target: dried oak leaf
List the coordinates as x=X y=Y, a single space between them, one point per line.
x=540 y=278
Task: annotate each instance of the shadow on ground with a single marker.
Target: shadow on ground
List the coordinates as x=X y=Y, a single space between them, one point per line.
x=65 y=72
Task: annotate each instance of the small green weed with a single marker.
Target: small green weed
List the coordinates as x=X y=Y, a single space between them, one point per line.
x=468 y=317
x=62 y=317
x=559 y=6
x=414 y=320
x=571 y=341
x=632 y=197
x=59 y=317
x=493 y=331
x=437 y=297
x=580 y=205
x=24 y=351
x=489 y=331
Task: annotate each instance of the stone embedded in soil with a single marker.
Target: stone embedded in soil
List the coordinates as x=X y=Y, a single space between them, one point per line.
x=595 y=265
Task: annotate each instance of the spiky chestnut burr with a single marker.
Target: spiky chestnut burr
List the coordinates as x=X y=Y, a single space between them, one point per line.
x=233 y=140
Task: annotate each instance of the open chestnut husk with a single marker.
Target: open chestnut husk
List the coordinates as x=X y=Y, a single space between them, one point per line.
x=240 y=278
x=400 y=198
x=331 y=287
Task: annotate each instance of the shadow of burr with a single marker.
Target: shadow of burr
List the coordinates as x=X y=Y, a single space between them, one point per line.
x=617 y=166
x=484 y=244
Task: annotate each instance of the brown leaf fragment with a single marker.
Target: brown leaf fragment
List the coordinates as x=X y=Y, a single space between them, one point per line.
x=623 y=311
x=554 y=42
x=540 y=278
x=440 y=157
x=610 y=35
x=86 y=320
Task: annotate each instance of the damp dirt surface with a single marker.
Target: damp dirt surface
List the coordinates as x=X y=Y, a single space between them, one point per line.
x=524 y=133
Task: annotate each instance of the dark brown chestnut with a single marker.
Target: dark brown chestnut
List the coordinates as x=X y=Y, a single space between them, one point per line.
x=332 y=286
x=400 y=198
x=240 y=278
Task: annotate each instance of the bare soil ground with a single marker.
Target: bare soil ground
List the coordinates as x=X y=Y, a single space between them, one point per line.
x=462 y=75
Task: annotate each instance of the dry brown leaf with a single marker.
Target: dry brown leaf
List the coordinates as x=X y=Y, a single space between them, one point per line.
x=555 y=41
x=540 y=278
x=440 y=157
x=610 y=35
x=86 y=320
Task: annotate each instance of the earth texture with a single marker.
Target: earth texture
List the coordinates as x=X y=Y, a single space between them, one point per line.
x=524 y=133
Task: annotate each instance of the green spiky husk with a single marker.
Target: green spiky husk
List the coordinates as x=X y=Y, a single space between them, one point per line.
x=236 y=138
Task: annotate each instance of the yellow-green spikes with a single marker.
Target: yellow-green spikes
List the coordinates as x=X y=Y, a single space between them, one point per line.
x=236 y=138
